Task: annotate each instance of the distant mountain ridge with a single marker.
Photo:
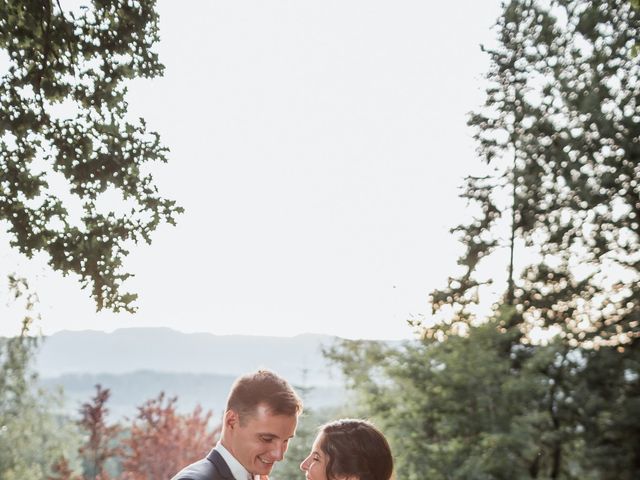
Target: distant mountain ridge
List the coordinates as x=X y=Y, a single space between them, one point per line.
x=136 y=364
x=129 y=350
x=131 y=390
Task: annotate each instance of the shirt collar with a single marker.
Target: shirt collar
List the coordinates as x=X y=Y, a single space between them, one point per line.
x=237 y=470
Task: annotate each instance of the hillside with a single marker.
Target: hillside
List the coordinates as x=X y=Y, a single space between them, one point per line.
x=299 y=358
x=138 y=363
x=130 y=390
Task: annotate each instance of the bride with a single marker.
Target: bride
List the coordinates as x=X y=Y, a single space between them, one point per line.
x=349 y=449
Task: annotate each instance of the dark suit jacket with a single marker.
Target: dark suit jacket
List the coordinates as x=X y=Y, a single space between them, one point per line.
x=211 y=468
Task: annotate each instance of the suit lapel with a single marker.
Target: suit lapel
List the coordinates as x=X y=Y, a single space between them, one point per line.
x=222 y=467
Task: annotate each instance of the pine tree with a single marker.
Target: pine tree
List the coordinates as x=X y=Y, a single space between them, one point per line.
x=559 y=205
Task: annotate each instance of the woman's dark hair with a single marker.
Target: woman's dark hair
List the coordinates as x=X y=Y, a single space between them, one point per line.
x=356 y=448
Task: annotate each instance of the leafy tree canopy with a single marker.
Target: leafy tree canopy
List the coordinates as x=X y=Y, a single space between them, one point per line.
x=560 y=134
x=559 y=203
x=457 y=410
x=66 y=140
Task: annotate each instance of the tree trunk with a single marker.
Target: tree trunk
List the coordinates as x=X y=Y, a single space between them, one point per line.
x=535 y=466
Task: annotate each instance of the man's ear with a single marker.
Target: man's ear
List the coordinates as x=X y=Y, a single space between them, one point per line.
x=231 y=419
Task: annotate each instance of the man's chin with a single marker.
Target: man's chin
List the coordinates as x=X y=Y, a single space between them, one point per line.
x=263 y=468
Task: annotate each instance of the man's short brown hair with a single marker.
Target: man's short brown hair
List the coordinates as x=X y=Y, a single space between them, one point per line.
x=263 y=388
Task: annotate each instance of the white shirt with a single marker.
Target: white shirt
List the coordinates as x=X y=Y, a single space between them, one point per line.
x=237 y=470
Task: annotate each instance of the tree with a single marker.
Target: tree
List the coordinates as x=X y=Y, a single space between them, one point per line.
x=31 y=433
x=636 y=49
x=161 y=441
x=64 y=127
x=455 y=409
x=308 y=425
x=289 y=468
x=559 y=135
x=611 y=417
x=102 y=439
x=562 y=106
x=62 y=471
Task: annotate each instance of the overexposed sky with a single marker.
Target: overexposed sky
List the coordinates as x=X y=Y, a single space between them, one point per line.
x=317 y=148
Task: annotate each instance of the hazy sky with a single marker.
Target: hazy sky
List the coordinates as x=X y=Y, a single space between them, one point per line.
x=317 y=148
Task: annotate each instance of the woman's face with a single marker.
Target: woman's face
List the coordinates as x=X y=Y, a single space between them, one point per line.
x=315 y=465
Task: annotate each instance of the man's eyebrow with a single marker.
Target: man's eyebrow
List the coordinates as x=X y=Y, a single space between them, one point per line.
x=271 y=435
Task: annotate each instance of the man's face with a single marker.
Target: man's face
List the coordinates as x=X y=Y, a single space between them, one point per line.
x=260 y=439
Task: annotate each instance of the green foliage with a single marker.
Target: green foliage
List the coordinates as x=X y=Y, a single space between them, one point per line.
x=458 y=409
x=300 y=446
x=559 y=133
x=64 y=126
x=610 y=387
x=560 y=137
x=32 y=435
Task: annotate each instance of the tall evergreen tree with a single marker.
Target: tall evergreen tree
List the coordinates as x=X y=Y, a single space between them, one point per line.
x=560 y=135
x=560 y=205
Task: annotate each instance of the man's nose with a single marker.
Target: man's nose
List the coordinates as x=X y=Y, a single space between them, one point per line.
x=278 y=452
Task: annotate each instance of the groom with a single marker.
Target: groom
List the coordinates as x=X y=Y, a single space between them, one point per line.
x=260 y=418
